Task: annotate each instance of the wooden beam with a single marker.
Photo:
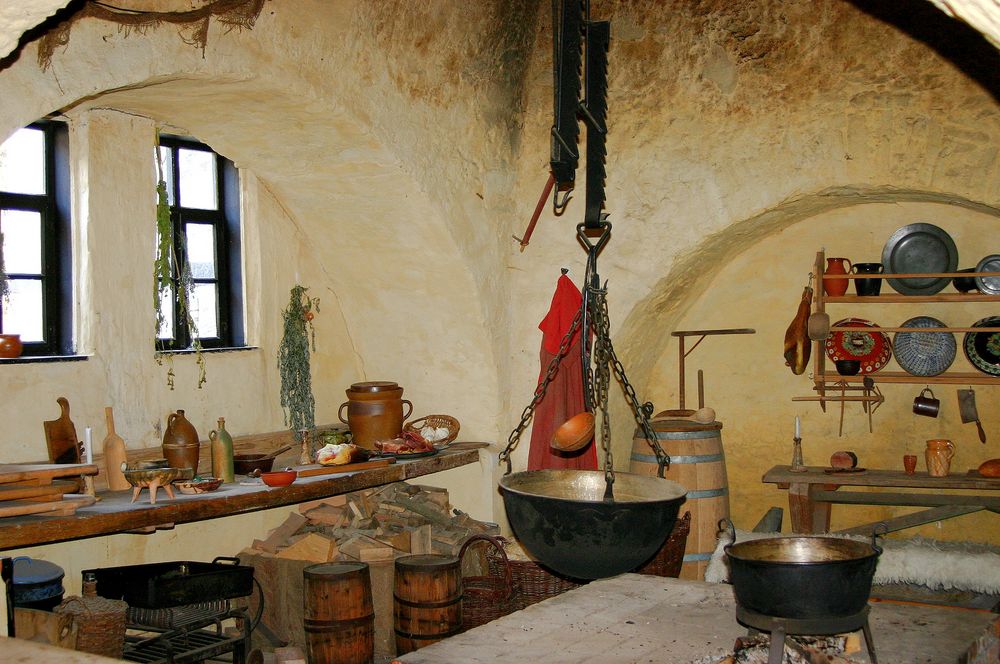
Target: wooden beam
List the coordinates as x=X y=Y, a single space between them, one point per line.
x=906 y=499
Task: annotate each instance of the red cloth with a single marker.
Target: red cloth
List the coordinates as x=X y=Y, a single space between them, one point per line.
x=564 y=396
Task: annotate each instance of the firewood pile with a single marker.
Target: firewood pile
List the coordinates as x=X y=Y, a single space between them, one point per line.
x=372 y=525
x=798 y=650
x=375 y=526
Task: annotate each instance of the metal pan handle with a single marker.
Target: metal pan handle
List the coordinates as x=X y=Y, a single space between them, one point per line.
x=880 y=530
x=226 y=559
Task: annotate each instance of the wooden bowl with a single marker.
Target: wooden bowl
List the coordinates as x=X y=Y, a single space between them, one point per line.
x=201 y=485
x=279 y=478
x=244 y=464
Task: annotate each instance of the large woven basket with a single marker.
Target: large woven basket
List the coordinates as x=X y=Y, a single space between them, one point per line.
x=437 y=421
x=486 y=598
x=100 y=623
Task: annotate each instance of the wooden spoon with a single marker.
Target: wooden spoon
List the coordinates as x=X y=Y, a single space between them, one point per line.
x=574 y=433
x=271 y=455
x=702 y=416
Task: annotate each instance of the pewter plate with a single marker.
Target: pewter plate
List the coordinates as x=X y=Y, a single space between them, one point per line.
x=919 y=248
x=989 y=285
x=924 y=353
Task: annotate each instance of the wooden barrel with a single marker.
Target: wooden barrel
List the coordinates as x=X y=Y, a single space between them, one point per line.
x=428 y=600
x=339 y=618
x=698 y=463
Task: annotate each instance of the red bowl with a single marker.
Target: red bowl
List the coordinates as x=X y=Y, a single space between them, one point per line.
x=279 y=477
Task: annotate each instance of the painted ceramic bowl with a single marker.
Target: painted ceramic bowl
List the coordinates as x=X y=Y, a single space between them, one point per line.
x=200 y=485
x=142 y=477
x=279 y=477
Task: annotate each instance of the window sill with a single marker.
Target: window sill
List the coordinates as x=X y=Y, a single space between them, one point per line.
x=229 y=349
x=42 y=359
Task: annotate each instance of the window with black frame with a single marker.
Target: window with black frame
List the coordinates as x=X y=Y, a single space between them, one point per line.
x=203 y=193
x=35 y=223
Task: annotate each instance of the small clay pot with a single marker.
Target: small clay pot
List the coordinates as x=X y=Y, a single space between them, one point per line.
x=10 y=346
x=848 y=367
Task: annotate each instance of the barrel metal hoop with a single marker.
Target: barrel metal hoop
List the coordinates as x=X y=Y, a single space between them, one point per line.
x=708 y=493
x=695 y=434
x=424 y=637
x=312 y=625
x=440 y=604
x=674 y=459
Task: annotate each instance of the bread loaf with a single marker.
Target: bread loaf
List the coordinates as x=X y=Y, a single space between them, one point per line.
x=990 y=468
x=844 y=459
x=797 y=346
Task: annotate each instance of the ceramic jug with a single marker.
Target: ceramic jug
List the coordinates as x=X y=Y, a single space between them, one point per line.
x=222 y=453
x=374 y=412
x=867 y=286
x=938 y=455
x=836 y=287
x=180 y=442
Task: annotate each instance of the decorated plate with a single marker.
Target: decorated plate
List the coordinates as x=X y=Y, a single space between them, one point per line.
x=983 y=348
x=990 y=285
x=919 y=248
x=924 y=353
x=872 y=349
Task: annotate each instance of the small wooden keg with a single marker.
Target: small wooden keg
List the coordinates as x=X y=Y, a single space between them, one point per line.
x=339 y=617
x=698 y=463
x=428 y=600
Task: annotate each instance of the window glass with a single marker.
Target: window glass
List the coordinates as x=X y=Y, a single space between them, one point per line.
x=22 y=241
x=166 y=330
x=199 y=181
x=203 y=310
x=167 y=161
x=22 y=162
x=201 y=250
x=22 y=313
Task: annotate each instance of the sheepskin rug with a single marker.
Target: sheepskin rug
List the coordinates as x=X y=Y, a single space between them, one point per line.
x=936 y=565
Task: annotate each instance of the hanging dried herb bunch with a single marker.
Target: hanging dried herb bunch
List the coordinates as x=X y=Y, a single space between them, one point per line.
x=163 y=272
x=4 y=283
x=293 y=362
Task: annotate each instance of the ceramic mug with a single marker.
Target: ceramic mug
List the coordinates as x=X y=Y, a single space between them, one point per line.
x=938 y=456
x=867 y=287
x=926 y=405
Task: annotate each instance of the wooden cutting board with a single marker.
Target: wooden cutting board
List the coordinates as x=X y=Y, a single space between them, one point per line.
x=316 y=469
x=43 y=473
x=60 y=436
x=50 y=508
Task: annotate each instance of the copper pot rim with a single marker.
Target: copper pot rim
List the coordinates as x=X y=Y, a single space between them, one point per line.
x=374 y=386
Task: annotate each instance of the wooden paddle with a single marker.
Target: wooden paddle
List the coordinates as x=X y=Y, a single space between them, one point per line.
x=60 y=436
x=114 y=454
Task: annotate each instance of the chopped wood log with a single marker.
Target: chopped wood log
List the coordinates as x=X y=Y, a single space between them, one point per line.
x=425 y=510
x=366 y=549
x=280 y=535
x=420 y=539
x=332 y=501
x=397 y=540
x=328 y=515
x=313 y=547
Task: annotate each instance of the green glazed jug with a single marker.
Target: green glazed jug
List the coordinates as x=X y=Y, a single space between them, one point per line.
x=222 y=452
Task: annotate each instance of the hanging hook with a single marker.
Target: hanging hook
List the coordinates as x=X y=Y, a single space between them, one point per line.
x=559 y=206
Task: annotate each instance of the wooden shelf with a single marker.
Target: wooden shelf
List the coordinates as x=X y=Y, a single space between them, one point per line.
x=919 y=330
x=948 y=378
x=899 y=298
x=115 y=514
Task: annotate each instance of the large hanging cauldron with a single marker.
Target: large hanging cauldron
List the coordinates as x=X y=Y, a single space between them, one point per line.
x=561 y=518
x=803 y=577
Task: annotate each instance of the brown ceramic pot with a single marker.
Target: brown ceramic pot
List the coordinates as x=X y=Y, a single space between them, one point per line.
x=180 y=442
x=10 y=346
x=374 y=412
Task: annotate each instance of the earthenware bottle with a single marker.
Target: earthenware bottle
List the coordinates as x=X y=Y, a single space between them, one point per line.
x=836 y=287
x=374 y=412
x=222 y=452
x=938 y=455
x=180 y=442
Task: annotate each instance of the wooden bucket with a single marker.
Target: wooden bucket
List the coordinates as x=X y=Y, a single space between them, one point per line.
x=339 y=618
x=698 y=463
x=428 y=600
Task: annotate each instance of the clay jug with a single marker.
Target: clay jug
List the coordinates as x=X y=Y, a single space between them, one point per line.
x=10 y=346
x=180 y=442
x=938 y=456
x=836 y=287
x=222 y=453
x=374 y=412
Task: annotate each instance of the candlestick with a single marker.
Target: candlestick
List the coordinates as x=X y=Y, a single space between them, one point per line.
x=797 y=465
x=798 y=428
x=88 y=453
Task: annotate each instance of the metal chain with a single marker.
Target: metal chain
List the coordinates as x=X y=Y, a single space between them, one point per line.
x=641 y=414
x=602 y=376
x=550 y=374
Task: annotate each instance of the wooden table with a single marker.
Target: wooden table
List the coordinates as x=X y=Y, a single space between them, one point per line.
x=637 y=619
x=812 y=493
x=114 y=513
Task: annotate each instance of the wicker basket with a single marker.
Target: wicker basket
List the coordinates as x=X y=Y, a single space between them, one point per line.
x=486 y=598
x=670 y=557
x=100 y=623
x=436 y=421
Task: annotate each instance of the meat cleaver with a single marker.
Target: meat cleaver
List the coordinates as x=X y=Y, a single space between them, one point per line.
x=967 y=409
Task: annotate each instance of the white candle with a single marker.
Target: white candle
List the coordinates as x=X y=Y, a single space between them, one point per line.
x=798 y=427
x=88 y=454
